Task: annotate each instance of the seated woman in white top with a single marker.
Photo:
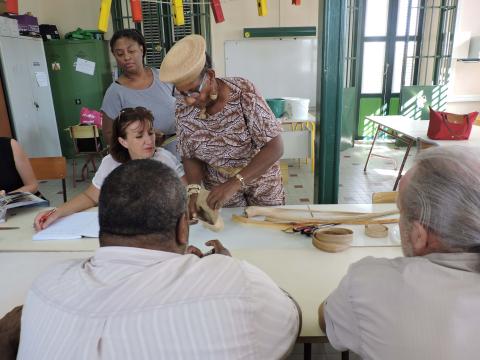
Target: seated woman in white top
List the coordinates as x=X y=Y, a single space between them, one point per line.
x=133 y=138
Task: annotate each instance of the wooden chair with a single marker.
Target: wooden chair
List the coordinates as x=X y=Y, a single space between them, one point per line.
x=423 y=144
x=386 y=197
x=48 y=168
x=87 y=143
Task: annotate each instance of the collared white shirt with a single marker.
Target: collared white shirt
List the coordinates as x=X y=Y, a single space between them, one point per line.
x=408 y=308
x=132 y=303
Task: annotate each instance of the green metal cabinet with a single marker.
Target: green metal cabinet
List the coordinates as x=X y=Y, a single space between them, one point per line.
x=73 y=89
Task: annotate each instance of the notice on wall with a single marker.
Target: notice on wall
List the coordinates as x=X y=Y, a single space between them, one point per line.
x=42 y=78
x=85 y=66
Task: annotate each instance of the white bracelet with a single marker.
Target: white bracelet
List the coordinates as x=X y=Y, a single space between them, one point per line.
x=193 y=189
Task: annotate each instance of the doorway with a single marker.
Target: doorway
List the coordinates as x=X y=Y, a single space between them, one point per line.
x=402 y=43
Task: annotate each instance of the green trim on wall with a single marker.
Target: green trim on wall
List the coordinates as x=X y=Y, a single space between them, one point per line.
x=348 y=118
x=329 y=100
x=368 y=106
x=280 y=31
x=394 y=106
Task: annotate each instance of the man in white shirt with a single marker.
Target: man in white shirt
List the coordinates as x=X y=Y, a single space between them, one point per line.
x=427 y=304
x=145 y=295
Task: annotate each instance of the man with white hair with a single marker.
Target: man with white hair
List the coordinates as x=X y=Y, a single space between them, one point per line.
x=424 y=305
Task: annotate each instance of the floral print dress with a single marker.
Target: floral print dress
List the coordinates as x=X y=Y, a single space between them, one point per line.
x=227 y=141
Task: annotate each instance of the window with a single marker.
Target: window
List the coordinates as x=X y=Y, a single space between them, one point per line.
x=158 y=28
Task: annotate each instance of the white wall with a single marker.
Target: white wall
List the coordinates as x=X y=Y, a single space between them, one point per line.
x=243 y=13
x=464 y=90
x=68 y=15
x=465 y=78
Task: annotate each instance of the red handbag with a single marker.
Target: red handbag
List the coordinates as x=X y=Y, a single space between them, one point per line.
x=446 y=126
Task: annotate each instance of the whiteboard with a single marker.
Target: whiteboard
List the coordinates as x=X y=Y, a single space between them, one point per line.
x=277 y=67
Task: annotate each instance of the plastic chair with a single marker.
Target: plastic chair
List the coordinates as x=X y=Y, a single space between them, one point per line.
x=386 y=197
x=48 y=168
x=87 y=143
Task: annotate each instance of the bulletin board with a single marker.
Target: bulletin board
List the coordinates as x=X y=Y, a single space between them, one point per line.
x=277 y=67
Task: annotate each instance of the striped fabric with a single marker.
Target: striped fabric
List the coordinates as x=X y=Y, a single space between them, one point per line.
x=132 y=303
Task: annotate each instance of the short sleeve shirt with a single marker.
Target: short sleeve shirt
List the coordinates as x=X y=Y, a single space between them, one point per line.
x=109 y=164
x=157 y=98
x=231 y=137
x=132 y=303
x=408 y=308
x=228 y=140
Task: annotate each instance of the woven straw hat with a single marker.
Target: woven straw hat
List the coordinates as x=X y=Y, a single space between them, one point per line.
x=184 y=62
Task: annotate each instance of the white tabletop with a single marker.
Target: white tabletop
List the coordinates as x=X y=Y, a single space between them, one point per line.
x=286 y=120
x=234 y=235
x=308 y=274
x=417 y=129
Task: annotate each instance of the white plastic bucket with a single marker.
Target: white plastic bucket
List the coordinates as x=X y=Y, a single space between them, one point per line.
x=296 y=108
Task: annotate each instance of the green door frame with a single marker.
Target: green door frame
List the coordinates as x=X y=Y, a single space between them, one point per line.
x=329 y=100
x=386 y=97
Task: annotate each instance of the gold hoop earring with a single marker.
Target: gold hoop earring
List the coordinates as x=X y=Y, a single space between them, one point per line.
x=214 y=94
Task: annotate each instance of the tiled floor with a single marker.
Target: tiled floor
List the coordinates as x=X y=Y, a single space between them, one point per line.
x=356 y=186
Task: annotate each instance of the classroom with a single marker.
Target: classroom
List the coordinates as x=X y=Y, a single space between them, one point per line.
x=239 y=179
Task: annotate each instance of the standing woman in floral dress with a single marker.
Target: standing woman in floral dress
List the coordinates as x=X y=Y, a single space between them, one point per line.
x=228 y=137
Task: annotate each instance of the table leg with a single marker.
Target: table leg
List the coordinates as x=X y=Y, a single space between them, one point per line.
x=409 y=146
x=307 y=351
x=371 y=148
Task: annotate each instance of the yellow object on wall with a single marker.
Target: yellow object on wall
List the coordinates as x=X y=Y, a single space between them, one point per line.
x=178 y=17
x=104 y=14
x=262 y=7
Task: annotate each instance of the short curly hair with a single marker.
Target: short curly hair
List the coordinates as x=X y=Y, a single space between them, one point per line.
x=132 y=34
x=141 y=197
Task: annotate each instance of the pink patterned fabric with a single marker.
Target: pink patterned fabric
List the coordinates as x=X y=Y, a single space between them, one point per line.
x=230 y=139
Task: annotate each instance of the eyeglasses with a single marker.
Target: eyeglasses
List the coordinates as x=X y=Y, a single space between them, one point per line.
x=138 y=112
x=191 y=93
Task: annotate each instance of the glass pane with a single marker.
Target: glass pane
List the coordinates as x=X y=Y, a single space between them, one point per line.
x=402 y=17
x=372 y=69
x=397 y=65
x=376 y=16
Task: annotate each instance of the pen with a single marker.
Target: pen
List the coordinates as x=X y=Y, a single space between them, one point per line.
x=47 y=215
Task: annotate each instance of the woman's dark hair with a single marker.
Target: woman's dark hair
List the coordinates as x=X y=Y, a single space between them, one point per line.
x=132 y=34
x=120 y=124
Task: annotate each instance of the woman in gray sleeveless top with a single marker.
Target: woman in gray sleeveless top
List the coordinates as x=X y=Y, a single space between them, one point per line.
x=139 y=85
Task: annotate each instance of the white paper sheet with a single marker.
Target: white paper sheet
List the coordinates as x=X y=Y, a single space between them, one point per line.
x=85 y=66
x=42 y=78
x=75 y=226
